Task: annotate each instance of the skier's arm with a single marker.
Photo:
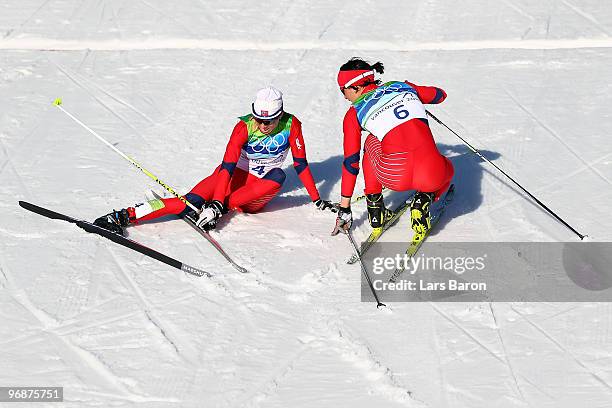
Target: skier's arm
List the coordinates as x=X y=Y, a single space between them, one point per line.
x=429 y=94
x=352 y=147
x=300 y=164
x=232 y=153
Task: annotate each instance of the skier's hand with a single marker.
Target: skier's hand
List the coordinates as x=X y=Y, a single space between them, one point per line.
x=211 y=212
x=344 y=221
x=325 y=205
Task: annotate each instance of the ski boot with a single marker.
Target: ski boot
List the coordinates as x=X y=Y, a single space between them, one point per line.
x=419 y=212
x=116 y=220
x=378 y=215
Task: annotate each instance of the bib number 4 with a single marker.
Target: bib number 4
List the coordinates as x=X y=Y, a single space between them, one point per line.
x=259 y=170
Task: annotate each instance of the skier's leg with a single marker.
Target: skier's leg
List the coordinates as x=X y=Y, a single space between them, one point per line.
x=393 y=169
x=377 y=213
x=116 y=220
x=153 y=209
x=256 y=192
x=449 y=173
x=420 y=216
x=372 y=185
x=439 y=169
x=202 y=192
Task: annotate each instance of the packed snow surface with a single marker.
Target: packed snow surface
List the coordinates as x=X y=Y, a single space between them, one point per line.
x=528 y=83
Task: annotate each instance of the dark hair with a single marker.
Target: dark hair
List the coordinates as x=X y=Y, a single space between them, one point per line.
x=357 y=63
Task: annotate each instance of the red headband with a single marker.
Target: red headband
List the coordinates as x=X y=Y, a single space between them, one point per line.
x=354 y=77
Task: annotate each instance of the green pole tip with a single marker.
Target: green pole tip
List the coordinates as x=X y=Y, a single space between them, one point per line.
x=57 y=102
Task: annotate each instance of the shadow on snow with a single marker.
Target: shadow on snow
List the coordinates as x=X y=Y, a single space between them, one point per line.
x=327 y=174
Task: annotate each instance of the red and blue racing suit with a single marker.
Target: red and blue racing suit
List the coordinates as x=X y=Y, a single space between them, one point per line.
x=250 y=174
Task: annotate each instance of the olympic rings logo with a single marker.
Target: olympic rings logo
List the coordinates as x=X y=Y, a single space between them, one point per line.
x=383 y=90
x=269 y=144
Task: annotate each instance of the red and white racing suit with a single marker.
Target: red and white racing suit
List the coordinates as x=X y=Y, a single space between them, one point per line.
x=250 y=174
x=399 y=152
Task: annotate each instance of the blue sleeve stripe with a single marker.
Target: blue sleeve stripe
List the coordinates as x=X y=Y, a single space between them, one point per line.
x=439 y=96
x=425 y=121
x=349 y=161
x=300 y=164
x=228 y=166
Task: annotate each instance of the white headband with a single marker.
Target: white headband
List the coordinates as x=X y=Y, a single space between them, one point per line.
x=358 y=78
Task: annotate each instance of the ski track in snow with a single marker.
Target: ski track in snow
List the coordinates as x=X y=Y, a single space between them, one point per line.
x=588 y=17
x=506 y=359
x=80 y=82
x=104 y=105
x=557 y=137
x=382 y=378
x=88 y=367
x=125 y=331
x=503 y=359
x=11 y=31
x=566 y=351
x=148 y=309
x=44 y=44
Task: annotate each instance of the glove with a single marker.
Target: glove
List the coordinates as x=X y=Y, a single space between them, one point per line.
x=325 y=205
x=344 y=221
x=211 y=212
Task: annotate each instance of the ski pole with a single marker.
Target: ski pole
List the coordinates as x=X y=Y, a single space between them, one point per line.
x=364 y=270
x=474 y=150
x=58 y=103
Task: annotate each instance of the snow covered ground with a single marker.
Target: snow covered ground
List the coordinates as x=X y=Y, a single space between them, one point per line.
x=528 y=82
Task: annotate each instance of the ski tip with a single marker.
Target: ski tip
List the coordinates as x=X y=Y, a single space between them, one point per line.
x=26 y=205
x=240 y=269
x=57 y=102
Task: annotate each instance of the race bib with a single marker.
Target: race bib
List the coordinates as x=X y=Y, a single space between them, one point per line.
x=260 y=167
x=262 y=153
x=388 y=107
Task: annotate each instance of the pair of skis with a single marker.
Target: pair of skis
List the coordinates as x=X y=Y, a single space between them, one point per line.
x=375 y=234
x=414 y=246
x=417 y=239
x=128 y=243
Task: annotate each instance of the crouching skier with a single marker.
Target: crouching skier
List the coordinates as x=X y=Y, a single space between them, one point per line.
x=249 y=176
x=399 y=152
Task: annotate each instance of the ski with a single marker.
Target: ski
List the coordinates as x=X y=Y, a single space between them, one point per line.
x=375 y=235
x=418 y=239
x=118 y=239
x=210 y=239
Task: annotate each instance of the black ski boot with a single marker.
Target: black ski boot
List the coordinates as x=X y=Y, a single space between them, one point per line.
x=377 y=213
x=116 y=220
x=419 y=212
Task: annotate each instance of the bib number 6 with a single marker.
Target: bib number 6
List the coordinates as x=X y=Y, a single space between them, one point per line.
x=400 y=112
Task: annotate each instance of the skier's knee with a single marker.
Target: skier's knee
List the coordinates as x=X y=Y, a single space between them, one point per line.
x=194 y=199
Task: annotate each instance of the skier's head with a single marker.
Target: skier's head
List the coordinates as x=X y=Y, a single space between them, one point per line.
x=267 y=108
x=356 y=76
